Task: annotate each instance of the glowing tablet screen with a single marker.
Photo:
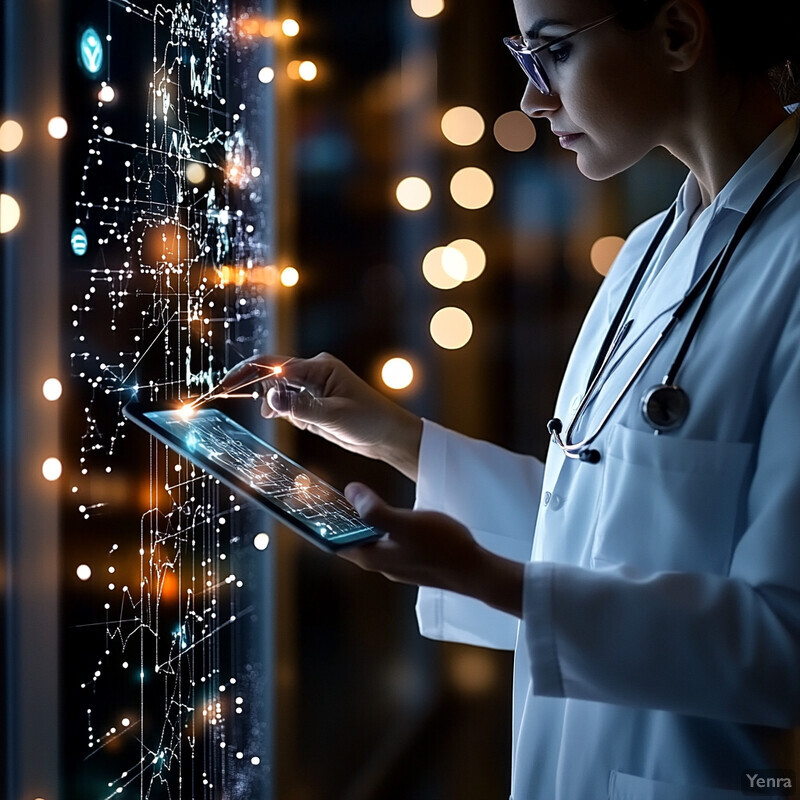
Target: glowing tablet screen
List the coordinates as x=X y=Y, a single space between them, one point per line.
x=235 y=455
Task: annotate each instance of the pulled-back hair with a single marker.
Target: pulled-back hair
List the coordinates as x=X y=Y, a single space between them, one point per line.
x=768 y=43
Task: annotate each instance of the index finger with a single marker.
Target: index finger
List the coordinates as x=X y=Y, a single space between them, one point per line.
x=254 y=369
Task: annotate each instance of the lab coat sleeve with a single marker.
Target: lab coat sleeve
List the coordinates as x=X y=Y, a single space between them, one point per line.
x=495 y=493
x=722 y=646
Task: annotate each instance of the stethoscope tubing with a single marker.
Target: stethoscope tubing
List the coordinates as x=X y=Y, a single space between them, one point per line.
x=705 y=288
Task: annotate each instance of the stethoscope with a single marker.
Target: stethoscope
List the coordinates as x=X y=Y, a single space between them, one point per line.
x=664 y=406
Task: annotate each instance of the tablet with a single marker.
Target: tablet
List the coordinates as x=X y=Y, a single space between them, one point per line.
x=253 y=467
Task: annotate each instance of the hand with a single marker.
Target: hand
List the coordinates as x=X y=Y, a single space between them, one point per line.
x=325 y=397
x=426 y=548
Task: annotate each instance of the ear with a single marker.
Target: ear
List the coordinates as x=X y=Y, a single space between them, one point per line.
x=684 y=31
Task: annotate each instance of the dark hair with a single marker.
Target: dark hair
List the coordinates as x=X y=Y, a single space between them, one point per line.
x=773 y=50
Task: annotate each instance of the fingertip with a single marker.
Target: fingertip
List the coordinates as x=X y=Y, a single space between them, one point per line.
x=277 y=400
x=356 y=493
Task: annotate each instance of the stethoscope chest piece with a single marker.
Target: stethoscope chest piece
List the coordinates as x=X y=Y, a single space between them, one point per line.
x=665 y=407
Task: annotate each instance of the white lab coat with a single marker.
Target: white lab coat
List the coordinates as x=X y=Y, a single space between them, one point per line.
x=659 y=653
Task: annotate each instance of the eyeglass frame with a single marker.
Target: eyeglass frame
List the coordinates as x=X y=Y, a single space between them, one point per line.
x=537 y=75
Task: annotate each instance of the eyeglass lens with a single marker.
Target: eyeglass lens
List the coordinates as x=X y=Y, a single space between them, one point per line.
x=534 y=69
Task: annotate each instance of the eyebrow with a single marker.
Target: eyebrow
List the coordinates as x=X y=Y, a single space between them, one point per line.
x=534 y=31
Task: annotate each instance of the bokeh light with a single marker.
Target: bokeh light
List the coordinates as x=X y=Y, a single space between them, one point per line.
x=11 y=134
x=9 y=213
x=514 y=131
x=397 y=373
x=413 y=193
x=434 y=272
x=106 y=94
x=290 y=27
x=84 y=572
x=51 y=469
x=451 y=328
x=266 y=74
x=427 y=8
x=474 y=255
x=604 y=251
x=51 y=389
x=261 y=541
x=57 y=127
x=472 y=187
x=462 y=125
x=307 y=70
x=454 y=263
x=289 y=276
x=195 y=173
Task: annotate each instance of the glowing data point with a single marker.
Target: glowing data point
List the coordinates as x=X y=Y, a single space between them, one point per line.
x=90 y=51
x=290 y=27
x=84 y=572
x=397 y=373
x=413 y=193
x=261 y=541
x=79 y=241
x=266 y=74
x=106 y=94
x=51 y=389
x=451 y=328
x=187 y=411
x=10 y=135
x=57 y=127
x=9 y=213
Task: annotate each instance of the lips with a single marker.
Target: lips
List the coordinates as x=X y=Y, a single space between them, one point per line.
x=566 y=139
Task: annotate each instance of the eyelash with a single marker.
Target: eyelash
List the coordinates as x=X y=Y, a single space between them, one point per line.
x=560 y=52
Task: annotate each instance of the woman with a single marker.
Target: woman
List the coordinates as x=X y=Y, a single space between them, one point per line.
x=656 y=611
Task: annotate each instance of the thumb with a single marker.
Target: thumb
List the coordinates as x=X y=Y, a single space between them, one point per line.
x=285 y=399
x=373 y=509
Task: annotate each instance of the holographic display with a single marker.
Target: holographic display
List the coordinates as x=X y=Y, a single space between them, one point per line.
x=170 y=276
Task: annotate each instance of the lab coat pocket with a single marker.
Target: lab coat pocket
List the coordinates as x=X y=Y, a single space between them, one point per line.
x=669 y=503
x=631 y=787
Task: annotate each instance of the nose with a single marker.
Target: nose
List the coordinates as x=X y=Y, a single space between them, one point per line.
x=536 y=104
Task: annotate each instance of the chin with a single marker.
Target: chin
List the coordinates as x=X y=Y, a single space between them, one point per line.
x=597 y=170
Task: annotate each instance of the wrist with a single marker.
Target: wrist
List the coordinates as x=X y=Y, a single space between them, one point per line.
x=400 y=447
x=494 y=580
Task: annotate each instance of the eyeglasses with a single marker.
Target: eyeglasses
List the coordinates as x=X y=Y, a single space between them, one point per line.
x=530 y=62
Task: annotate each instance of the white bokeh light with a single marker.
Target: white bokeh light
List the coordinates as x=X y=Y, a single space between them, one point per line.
x=397 y=373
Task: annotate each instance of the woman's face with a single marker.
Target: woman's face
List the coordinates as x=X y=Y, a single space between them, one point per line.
x=611 y=91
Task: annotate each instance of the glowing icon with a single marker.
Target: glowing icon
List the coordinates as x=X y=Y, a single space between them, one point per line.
x=90 y=51
x=79 y=242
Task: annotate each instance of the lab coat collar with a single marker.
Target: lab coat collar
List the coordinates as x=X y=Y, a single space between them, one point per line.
x=742 y=189
x=686 y=251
